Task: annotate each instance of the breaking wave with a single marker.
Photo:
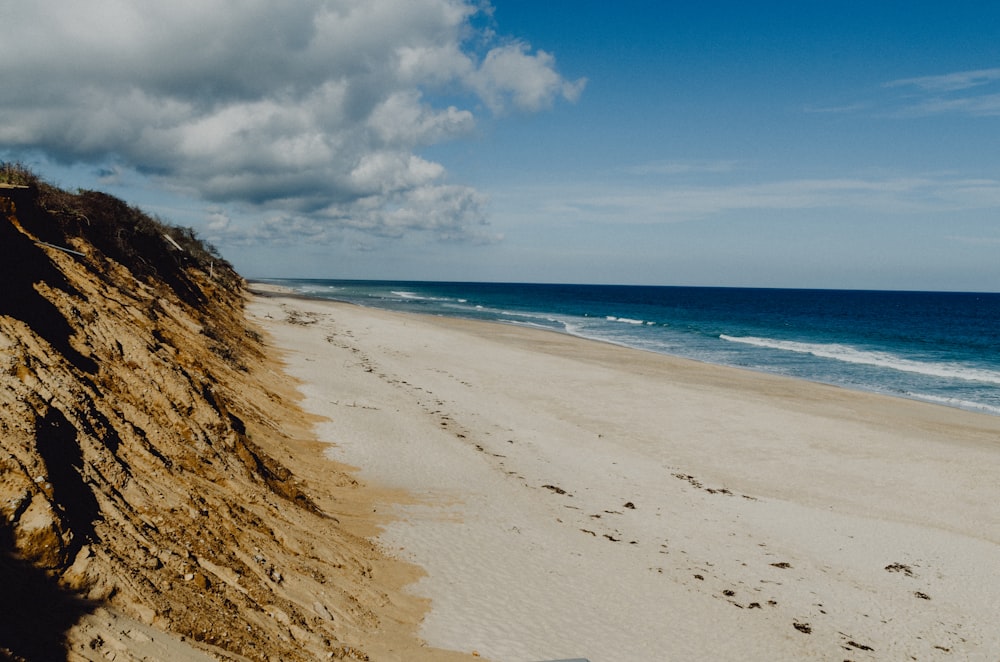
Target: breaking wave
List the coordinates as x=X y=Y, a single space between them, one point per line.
x=849 y=354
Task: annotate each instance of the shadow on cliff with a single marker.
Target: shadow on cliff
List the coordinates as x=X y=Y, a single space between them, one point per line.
x=22 y=265
x=35 y=612
x=56 y=441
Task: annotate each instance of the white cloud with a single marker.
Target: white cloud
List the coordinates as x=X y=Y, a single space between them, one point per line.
x=402 y=119
x=975 y=93
x=450 y=212
x=959 y=80
x=510 y=74
x=963 y=92
x=218 y=221
x=672 y=204
x=309 y=109
x=388 y=172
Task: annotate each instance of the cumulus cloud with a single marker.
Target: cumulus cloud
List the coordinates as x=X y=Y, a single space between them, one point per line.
x=511 y=75
x=314 y=110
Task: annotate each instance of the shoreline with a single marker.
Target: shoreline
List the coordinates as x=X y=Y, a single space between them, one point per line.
x=266 y=288
x=574 y=498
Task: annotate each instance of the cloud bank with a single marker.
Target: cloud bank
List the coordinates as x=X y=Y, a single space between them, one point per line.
x=314 y=110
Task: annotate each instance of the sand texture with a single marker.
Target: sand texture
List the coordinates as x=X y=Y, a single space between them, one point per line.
x=568 y=498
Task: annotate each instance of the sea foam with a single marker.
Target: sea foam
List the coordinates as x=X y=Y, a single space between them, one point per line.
x=955 y=402
x=848 y=354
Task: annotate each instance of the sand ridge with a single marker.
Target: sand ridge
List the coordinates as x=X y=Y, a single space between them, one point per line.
x=577 y=499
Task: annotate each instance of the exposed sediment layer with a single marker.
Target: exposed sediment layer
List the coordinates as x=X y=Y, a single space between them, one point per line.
x=161 y=496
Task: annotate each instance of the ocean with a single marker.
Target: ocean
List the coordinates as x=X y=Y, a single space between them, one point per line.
x=940 y=347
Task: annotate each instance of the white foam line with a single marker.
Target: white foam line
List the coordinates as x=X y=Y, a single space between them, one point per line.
x=881 y=359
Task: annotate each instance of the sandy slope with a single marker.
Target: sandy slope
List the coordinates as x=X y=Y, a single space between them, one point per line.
x=575 y=499
x=161 y=494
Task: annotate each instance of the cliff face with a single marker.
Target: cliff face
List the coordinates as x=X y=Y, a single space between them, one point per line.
x=137 y=451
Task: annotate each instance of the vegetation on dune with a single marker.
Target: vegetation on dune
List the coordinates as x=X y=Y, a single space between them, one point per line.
x=148 y=246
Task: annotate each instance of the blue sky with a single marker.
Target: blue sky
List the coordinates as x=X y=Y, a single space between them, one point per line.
x=774 y=144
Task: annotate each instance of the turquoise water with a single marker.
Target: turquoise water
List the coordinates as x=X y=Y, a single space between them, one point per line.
x=934 y=346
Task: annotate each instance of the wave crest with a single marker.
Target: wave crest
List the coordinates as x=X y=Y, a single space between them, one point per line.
x=849 y=354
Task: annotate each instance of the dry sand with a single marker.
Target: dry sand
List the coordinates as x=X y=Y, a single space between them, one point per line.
x=569 y=498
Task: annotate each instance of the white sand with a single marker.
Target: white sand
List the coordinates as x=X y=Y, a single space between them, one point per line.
x=886 y=511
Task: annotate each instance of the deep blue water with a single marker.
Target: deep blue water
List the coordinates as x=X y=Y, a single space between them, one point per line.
x=934 y=346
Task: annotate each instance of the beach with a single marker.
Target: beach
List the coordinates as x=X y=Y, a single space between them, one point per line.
x=568 y=498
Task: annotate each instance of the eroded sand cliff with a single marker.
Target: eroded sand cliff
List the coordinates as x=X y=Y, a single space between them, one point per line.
x=160 y=496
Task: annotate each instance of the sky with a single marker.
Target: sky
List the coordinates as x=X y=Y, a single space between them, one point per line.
x=816 y=144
